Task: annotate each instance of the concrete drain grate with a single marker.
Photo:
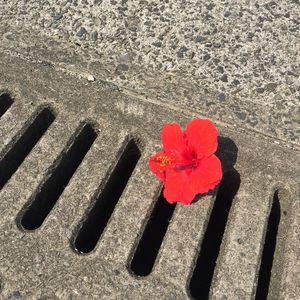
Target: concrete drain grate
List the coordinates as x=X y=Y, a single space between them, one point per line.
x=50 y=190
x=5 y=103
x=203 y=272
x=82 y=217
x=22 y=147
x=150 y=242
x=97 y=218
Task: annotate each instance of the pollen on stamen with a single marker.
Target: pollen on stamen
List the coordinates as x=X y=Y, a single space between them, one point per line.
x=163 y=160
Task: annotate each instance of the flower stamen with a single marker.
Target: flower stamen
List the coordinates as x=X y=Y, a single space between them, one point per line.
x=163 y=160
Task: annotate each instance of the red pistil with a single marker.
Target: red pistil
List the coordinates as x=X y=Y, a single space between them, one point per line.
x=187 y=165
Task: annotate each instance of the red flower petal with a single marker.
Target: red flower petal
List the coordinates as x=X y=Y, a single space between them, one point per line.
x=188 y=165
x=202 y=137
x=173 y=139
x=178 y=187
x=156 y=168
x=207 y=175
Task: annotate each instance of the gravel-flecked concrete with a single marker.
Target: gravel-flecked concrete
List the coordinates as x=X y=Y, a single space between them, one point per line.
x=237 y=62
x=41 y=264
x=128 y=67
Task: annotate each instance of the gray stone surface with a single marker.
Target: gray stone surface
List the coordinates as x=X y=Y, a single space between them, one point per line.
x=237 y=62
x=41 y=265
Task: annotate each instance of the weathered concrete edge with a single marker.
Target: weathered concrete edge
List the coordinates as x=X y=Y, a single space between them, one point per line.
x=174 y=92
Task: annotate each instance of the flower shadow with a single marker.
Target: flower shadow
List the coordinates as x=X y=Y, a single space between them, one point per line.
x=227 y=152
x=211 y=244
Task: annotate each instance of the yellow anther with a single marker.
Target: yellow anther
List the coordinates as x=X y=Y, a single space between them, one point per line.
x=163 y=160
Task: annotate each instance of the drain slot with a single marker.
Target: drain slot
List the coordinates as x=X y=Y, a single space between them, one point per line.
x=51 y=190
x=269 y=250
x=16 y=155
x=203 y=273
x=150 y=243
x=5 y=103
x=100 y=213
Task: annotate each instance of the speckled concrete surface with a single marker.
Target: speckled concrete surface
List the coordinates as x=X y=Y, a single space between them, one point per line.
x=40 y=264
x=130 y=66
x=235 y=61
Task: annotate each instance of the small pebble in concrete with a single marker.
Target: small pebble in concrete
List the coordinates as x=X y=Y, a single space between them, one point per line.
x=94 y=36
x=222 y=97
x=271 y=87
x=157 y=44
x=181 y=51
x=191 y=55
x=210 y=6
x=224 y=78
x=16 y=294
x=206 y=57
x=179 y=54
x=260 y=90
x=90 y=78
x=199 y=39
x=221 y=69
x=57 y=17
x=241 y=115
x=122 y=68
x=81 y=32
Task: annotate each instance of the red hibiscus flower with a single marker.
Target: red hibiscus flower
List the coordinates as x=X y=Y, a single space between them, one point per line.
x=187 y=166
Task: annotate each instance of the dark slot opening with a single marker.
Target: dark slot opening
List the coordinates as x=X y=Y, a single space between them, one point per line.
x=16 y=155
x=269 y=249
x=5 y=103
x=148 y=247
x=203 y=273
x=51 y=190
x=100 y=213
